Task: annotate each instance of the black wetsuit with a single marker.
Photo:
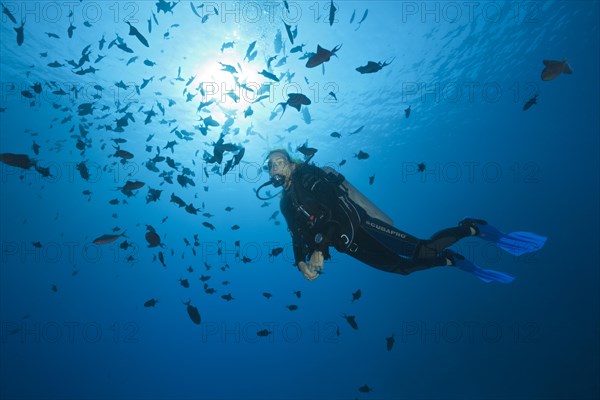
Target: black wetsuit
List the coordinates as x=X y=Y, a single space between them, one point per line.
x=320 y=214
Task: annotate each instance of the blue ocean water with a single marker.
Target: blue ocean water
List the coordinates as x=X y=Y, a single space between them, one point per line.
x=74 y=324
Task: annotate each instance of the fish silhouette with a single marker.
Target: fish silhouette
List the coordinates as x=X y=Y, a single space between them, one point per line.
x=134 y=32
x=332 y=11
x=351 y=319
x=7 y=12
x=322 y=55
x=389 y=342
x=295 y=100
x=373 y=66
x=530 y=102
x=554 y=68
x=193 y=312
x=20 y=33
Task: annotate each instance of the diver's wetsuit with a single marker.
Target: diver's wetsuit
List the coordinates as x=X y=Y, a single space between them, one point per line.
x=319 y=214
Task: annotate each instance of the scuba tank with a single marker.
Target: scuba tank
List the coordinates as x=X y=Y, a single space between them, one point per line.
x=357 y=197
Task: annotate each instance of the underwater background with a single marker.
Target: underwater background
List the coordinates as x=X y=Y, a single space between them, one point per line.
x=85 y=317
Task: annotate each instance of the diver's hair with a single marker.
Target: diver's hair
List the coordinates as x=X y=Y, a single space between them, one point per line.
x=286 y=154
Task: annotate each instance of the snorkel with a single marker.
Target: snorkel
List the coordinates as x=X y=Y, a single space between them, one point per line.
x=277 y=180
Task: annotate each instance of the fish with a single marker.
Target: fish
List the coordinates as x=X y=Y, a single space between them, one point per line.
x=7 y=12
x=108 y=238
x=124 y=154
x=307 y=151
x=249 y=50
x=267 y=295
x=298 y=293
x=165 y=6
x=269 y=75
x=357 y=130
x=227 y=297
x=353 y=15
x=20 y=33
x=373 y=66
x=184 y=283
x=289 y=32
x=322 y=55
x=361 y=155
x=70 y=30
x=332 y=11
x=389 y=342
x=351 y=319
x=150 y=303
x=191 y=209
x=134 y=32
x=193 y=312
x=407 y=112
x=371 y=179
x=161 y=258
x=228 y=68
x=209 y=225
x=263 y=332
x=131 y=185
x=530 y=102
x=365 y=389
x=152 y=238
x=17 y=160
x=196 y=12
x=278 y=42
x=276 y=251
x=363 y=18
x=297 y=49
x=292 y=307
x=554 y=68
x=335 y=134
x=295 y=100
x=153 y=195
x=227 y=45
x=421 y=167
x=235 y=227
x=332 y=95
x=177 y=200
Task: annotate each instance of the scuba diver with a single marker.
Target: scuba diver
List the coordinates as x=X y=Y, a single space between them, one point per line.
x=322 y=209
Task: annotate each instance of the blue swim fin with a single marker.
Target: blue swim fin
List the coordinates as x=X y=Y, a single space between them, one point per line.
x=515 y=243
x=486 y=275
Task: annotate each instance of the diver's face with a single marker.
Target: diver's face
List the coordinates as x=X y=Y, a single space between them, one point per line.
x=279 y=165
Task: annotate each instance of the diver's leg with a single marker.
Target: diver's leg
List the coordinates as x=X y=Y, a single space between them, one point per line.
x=442 y=240
x=406 y=267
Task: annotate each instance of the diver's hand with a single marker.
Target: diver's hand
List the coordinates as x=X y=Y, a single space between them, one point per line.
x=316 y=261
x=308 y=271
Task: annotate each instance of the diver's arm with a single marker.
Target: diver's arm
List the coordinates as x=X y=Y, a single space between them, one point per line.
x=300 y=249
